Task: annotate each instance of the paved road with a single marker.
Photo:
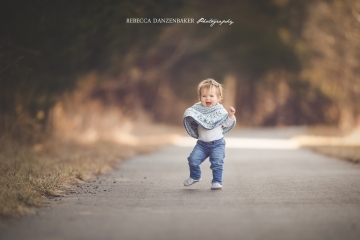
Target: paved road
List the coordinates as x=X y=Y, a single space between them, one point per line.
x=269 y=193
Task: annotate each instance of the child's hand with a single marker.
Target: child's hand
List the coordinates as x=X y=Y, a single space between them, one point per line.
x=231 y=112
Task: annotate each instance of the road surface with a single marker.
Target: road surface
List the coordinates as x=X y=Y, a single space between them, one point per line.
x=271 y=190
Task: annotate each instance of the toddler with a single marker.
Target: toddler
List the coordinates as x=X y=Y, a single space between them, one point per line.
x=207 y=121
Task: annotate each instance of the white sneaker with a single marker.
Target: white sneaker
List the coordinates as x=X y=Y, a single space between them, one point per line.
x=216 y=186
x=190 y=181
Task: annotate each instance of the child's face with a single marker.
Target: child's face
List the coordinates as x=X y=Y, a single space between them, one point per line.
x=209 y=97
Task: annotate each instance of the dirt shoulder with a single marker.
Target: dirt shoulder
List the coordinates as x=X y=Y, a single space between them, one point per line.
x=29 y=176
x=332 y=142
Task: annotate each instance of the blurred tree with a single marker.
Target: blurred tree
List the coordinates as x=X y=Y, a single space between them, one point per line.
x=289 y=57
x=332 y=60
x=46 y=45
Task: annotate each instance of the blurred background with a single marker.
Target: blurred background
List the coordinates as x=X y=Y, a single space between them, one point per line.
x=78 y=71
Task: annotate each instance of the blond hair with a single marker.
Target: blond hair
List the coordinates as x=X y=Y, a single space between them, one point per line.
x=209 y=83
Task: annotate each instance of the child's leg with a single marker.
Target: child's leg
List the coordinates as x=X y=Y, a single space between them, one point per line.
x=217 y=156
x=197 y=156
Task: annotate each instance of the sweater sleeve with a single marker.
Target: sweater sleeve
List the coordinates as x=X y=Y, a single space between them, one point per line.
x=228 y=122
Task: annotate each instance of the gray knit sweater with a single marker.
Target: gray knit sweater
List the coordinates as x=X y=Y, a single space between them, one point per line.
x=207 y=117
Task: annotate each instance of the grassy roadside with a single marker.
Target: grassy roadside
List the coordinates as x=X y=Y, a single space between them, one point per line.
x=349 y=153
x=29 y=176
x=332 y=142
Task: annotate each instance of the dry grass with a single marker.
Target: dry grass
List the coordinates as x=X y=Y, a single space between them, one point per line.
x=35 y=168
x=29 y=176
x=349 y=153
x=332 y=142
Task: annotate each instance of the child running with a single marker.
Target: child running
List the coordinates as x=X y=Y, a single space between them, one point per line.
x=208 y=121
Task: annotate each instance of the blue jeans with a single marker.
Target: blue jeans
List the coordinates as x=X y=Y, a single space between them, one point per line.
x=215 y=151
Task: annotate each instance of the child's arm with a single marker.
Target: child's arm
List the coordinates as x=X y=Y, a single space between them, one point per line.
x=231 y=117
x=231 y=112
